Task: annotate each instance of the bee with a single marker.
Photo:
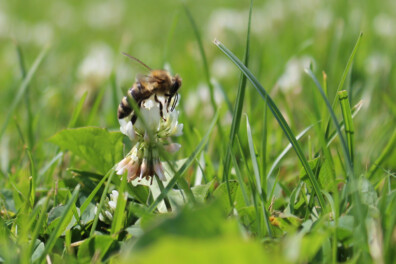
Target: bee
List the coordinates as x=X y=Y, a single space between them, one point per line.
x=157 y=82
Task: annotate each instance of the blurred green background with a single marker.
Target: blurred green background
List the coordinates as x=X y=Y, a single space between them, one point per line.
x=86 y=38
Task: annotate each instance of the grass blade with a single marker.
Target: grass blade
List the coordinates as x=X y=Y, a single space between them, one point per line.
x=77 y=111
x=386 y=153
x=26 y=97
x=259 y=187
x=22 y=88
x=236 y=117
x=56 y=232
x=205 y=61
x=344 y=145
x=185 y=165
x=344 y=76
x=101 y=203
x=358 y=210
x=279 y=117
x=119 y=213
x=348 y=121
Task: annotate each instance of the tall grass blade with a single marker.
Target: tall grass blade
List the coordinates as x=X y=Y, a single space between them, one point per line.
x=259 y=186
x=26 y=97
x=202 y=52
x=236 y=117
x=22 y=88
x=358 y=210
x=279 y=117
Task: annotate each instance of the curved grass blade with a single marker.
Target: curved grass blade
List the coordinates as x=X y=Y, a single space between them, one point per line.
x=285 y=151
x=279 y=117
x=22 y=88
x=56 y=232
x=185 y=165
x=386 y=153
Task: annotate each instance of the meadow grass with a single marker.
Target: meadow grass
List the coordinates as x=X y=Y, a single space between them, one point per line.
x=287 y=146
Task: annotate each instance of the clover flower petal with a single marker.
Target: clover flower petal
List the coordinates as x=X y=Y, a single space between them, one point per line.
x=157 y=122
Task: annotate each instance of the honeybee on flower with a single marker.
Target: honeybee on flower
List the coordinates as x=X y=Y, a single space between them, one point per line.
x=156 y=96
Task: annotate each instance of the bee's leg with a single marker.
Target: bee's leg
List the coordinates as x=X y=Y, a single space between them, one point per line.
x=167 y=100
x=175 y=102
x=160 y=107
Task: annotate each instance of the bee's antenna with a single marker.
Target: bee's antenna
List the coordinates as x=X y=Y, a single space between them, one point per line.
x=136 y=59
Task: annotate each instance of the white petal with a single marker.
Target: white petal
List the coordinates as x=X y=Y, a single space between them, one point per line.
x=109 y=215
x=122 y=166
x=159 y=171
x=178 y=131
x=113 y=205
x=114 y=195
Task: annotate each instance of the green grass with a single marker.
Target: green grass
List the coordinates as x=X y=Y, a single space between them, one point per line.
x=288 y=142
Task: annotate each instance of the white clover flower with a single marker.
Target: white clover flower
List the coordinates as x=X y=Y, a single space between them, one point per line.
x=150 y=130
x=108 y=210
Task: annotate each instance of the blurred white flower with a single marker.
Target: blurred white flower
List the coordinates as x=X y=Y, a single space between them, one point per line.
x=226 y=19
x=291 y=78
x=104 y=14
x=384 y=25
x=150 y=132
x=201 y=98
x=323 y=19
x=109 y=207
x=377 y=63
x=97 y=63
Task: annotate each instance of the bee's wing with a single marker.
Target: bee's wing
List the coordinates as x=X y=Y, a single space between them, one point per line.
x=143 y=78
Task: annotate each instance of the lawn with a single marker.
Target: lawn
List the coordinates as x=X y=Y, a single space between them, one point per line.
x=280 y=147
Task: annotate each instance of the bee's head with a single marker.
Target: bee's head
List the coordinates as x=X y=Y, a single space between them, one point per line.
x=176 y=83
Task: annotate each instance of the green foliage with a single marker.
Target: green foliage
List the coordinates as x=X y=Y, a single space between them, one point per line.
x=234 y=194
x=100 y=148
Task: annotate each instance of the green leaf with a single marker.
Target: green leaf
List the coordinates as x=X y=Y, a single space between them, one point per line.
x=223 y=194
x=226 y=249
x=326 y=178
x=99 y=147
x=96 y=246
x=206 y=221
x=200 y=192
